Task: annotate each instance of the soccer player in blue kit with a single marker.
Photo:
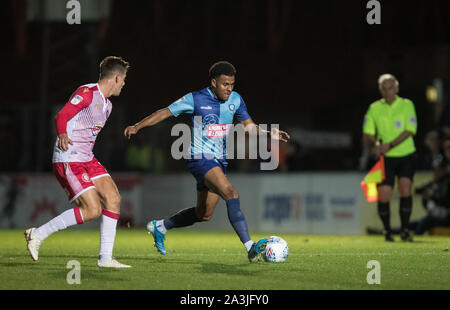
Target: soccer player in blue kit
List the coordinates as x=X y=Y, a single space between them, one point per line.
x=217 y=105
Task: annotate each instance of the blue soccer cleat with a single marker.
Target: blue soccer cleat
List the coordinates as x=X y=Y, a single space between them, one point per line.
x=256 y=249
x=157 y=236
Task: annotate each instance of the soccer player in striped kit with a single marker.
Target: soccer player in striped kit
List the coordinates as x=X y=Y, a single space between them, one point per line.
x=86 y=182
x=217 y=106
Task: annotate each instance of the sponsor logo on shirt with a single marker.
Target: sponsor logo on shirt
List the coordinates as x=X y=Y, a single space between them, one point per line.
x=76 y=99
x=96 y=128
x=217 y=130
x=206 y=108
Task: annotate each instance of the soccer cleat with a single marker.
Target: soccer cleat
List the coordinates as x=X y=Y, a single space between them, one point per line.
x=388 y=236
x=33 y=243
x=256 y=249
x=111 y=263
x=406 y=235
x=158 y=237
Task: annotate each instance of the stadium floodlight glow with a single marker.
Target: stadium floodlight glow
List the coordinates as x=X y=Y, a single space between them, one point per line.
x=431 y=94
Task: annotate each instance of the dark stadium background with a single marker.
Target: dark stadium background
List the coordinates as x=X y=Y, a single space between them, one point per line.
x=308 y=65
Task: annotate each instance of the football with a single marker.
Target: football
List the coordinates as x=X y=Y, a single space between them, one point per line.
x=276 y=251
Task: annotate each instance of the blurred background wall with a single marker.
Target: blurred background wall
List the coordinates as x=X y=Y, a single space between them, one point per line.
x=310 y=67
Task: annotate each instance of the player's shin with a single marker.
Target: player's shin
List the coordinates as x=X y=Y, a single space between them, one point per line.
x=66 y=219
x=183 y=218
x=237 y=220
x=108 y=226
x=405 y=211
x=384 y=213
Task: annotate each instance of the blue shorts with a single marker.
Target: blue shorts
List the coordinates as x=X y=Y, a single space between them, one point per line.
x=199 y=167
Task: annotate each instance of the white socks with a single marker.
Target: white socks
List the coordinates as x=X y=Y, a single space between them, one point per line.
x=107 y=234
x=67 y=218
x=248 y=245
x=73 y=217
x=160 y=226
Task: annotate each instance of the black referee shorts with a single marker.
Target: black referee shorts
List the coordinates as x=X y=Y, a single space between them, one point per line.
x=398 y=167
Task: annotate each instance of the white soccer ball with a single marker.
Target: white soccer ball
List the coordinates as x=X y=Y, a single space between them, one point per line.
x=276 y=251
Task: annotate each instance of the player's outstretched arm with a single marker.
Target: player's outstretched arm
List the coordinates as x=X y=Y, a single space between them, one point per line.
x=275 y=133
x=152 y=119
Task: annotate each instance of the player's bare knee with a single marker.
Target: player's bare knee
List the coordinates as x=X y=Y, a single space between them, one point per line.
x=230 y=192
x=95 y=212
x=113 y=203
x=117 y=200
x=90 y=212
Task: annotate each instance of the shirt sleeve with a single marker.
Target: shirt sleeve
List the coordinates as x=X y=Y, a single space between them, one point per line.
x=411 y=118
x=369 y=123
x=81 y=99
x=183 y=105
x=241 y=112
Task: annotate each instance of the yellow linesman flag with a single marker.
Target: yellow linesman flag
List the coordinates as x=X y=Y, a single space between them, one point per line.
x=369 y=184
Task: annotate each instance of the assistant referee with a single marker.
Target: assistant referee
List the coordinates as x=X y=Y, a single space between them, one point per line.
x=388 y=129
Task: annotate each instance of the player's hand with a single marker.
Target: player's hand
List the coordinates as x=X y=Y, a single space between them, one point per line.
x=63 y=142
x=277 y=134
x=130 y=130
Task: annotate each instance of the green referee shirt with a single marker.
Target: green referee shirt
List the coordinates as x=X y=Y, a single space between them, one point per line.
x=387 y=122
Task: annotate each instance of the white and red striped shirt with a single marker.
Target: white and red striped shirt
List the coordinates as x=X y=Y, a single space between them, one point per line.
x=82 y=118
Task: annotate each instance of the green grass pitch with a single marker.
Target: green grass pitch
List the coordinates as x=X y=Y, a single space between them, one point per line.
x=203 y=260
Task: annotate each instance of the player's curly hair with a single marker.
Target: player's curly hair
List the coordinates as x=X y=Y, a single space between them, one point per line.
x=221 y=67
x=112 y=64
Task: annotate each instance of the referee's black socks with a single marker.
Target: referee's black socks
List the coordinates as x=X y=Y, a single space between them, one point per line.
x=384 y=213
x=405 y=211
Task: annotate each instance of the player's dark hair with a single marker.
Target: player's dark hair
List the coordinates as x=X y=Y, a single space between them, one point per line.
x=221 y=67
x=111 y=65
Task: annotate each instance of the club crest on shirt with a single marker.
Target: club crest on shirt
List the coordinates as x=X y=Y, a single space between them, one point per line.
x=96 y=128
x=231 y=107
x=76 y=99
x=210 y=119
x=398 y=124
